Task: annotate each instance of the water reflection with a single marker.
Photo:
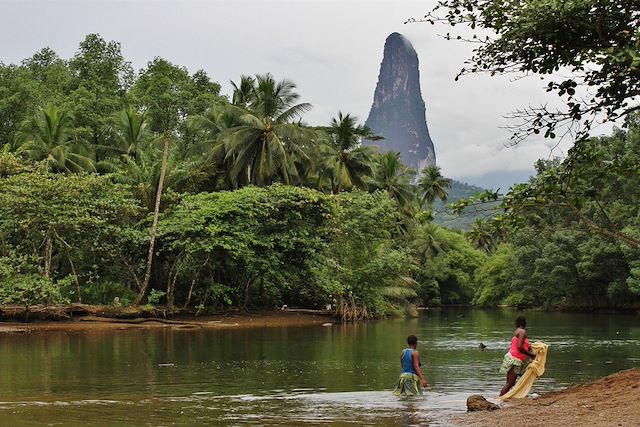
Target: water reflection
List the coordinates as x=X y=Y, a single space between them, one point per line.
x=340 y=375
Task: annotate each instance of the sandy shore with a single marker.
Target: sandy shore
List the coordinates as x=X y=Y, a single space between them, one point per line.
x=610 y=401
x=263 y=319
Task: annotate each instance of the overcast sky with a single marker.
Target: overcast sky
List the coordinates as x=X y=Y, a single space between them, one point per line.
x=331 y=49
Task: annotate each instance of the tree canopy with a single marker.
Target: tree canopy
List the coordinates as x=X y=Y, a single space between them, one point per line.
x=152 y=186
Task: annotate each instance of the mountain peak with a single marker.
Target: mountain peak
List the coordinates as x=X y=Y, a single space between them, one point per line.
x=398 y=38
x=398 y=110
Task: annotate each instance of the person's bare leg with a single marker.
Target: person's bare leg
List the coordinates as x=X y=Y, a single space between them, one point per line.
x=511 y=380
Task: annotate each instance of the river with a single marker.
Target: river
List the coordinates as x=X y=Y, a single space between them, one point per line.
x=337 y=375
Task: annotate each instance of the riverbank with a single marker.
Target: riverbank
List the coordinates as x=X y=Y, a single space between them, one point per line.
x=610 y=401
x=98 y=319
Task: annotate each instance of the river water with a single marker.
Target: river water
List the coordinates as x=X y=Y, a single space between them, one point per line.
x=337 y=375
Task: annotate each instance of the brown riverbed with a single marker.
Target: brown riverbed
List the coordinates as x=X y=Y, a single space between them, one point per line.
x=95 y=319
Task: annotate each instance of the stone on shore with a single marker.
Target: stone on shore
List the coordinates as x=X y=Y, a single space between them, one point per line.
x=476 y=402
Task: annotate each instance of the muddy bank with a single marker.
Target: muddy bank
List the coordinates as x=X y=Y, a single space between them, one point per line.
x=79 y=317
x=610 y=401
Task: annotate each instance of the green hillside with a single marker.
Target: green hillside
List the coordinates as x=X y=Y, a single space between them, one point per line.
x=445 y=217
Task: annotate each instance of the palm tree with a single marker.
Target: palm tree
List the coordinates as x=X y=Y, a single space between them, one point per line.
x=243 y=93
x=215 y=120
x=143 y=172
x=266 y=143
x=433 y=185
x=403 y=290
x=131 y=131
x=481 y=235
x=395 y=177
x=347 y=163
x=209 y=147
x=430 y=241
x=49 y=137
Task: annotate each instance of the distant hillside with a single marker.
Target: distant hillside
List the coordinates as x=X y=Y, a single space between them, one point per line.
x=443 y=216
x=460 y=190
x=500 y=179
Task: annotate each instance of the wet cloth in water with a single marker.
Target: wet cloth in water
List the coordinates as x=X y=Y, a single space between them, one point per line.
x=531 y=373
x=408 y=385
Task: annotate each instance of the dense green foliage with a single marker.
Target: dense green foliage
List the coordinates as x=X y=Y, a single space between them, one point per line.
x=76 y=226
x=82 y=165
x=367 y=265
x=574 y=230
x=447 y=264
x=248 y=244
x=152 y=187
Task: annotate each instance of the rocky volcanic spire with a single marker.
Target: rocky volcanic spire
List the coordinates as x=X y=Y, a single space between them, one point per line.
x=398 y=111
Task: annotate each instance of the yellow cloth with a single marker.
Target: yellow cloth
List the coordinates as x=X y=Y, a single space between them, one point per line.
x=408 y=384
x=534 y=370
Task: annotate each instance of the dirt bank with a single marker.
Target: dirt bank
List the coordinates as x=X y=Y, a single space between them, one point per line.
x=610 y=401
x=92 y=322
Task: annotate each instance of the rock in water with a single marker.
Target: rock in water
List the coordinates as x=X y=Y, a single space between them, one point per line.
x=398 y=111
x=476 y=402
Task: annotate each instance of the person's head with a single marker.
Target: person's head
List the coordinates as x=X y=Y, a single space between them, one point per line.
x=412 y=340
x=521 y=322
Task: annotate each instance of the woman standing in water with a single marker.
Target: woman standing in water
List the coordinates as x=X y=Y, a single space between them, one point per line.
x=514 y=361
x=411 y=379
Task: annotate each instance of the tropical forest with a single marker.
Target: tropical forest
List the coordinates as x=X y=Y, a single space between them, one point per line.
x=153 y=187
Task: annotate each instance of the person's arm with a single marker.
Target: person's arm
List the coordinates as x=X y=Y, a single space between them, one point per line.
x=521 y=336
x=416 y=366
x=401 y=356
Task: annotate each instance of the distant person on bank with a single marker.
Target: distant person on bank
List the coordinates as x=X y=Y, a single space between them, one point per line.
x=411 y=381
x=515 y=361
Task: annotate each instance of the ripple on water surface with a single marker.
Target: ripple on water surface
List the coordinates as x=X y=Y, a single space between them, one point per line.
x=302 y=407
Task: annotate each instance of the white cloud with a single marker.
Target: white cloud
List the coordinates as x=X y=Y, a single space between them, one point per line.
x=477 y=159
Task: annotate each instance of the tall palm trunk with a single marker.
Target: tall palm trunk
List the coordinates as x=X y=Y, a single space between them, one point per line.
x=173 y=278
x=48 y=254
x=154 y=225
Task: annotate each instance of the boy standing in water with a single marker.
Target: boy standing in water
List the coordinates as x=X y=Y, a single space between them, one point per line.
x=411 y=379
